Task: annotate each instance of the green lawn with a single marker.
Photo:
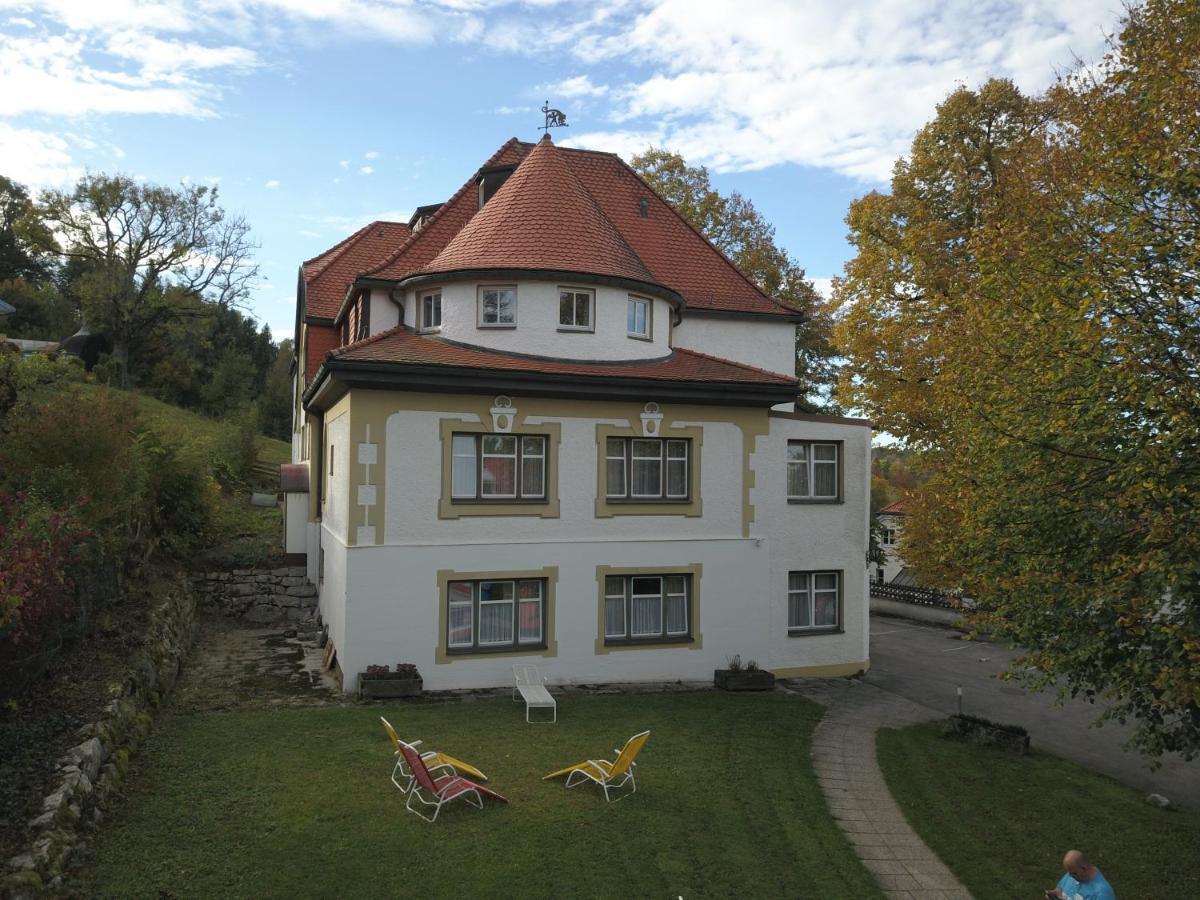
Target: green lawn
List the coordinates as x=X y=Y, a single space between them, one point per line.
x=173 y=420
x=1003 y=822
x=296 y=802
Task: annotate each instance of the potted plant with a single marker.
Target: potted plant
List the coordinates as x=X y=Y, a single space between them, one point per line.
x=380 y=683
x=739 y=677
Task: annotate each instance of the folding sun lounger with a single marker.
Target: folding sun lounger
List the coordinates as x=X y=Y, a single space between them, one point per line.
x=433 y=760
x=532 y=686
x=607 y=774
x=438 y=790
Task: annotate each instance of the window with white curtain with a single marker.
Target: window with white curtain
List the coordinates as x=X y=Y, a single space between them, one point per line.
x=812 y=470
x=495 y=615
x=647 y=608
x=647 y=468
x=498 y=467
x=814 y=601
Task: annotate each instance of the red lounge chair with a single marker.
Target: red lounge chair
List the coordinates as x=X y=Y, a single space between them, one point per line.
x=440 y=790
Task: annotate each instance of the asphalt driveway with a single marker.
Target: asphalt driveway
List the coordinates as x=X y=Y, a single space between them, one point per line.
x=926 y=664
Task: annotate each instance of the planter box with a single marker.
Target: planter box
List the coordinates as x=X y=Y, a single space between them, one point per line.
x=1011 y=738
x=385 y=688
x=728 y=680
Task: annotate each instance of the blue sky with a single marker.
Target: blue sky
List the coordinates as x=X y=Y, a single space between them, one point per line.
x=313 y=117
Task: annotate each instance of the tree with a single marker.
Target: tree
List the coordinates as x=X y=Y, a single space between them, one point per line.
x=738 y=229
x=26 y=245
x=148 y=254
x=1023 y=309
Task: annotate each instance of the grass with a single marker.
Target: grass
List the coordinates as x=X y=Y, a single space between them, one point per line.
x=1003 y=822
x=297 y=802
x=173 y=420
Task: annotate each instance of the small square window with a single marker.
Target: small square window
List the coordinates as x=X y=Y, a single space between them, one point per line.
x=575 y=310
x=431 y=311
x=812 y=471
x=637 y=318
x=497 y=307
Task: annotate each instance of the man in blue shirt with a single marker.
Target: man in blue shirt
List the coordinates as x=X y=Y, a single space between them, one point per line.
x=1083 y=881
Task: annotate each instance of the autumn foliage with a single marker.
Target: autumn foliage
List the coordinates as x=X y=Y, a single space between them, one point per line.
x=1024 y=310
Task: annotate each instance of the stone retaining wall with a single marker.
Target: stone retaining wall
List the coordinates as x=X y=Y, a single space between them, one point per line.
x=261 y=596
x=91 y=770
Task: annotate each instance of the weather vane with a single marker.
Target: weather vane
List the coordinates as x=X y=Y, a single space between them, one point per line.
x=555 y=118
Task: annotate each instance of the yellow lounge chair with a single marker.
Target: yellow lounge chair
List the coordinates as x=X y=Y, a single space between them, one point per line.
x=607 y=774
x=433 y=760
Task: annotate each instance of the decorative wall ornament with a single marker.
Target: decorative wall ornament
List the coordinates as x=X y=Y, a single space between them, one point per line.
x=503 y=414
x=368 y=455
x=651 y=419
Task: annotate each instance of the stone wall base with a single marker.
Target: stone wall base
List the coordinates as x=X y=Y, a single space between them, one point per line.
x=260 y=596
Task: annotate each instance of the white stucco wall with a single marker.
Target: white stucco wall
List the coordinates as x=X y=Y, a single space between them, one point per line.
x=413 y=490
x=895 y=562
x=537 y=328
x=335 y=499
x=391 y=613
x=814 y=537
x=384 y=313
x=333 y=597
x=767 y=345
x=295 y=525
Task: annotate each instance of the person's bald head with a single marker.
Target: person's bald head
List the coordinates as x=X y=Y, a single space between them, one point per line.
x=1077 y=866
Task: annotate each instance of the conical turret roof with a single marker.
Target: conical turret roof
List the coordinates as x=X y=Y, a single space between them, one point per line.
x=542 y=219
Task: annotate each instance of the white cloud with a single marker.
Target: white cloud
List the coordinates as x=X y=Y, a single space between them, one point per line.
x=344 y=163
x=21 y=22
x=824 y=286
x=272 y=185
x=512 y=110
x=367 y=170
x=824 y=83
x=338 y=226
x=36 y=158
x=578 y=86
x=371 y=154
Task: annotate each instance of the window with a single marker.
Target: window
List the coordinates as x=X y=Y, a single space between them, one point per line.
x=495 y=615
x=637 y=318
x=498 y=467
x=814 y=601
x=889 y=537
x=497 y=307
x=647 y=608
x=575 y=310
x=364 y=319
x=878 y=575
x=431 y=311
x=647 y=468
x=812 y=471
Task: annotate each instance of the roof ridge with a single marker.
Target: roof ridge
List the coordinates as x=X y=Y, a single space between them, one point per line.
x=701 y=235
x=440 y=211
x=734 y=362
x=336 y=247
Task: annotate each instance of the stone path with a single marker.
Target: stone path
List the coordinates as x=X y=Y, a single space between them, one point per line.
x=853 y=785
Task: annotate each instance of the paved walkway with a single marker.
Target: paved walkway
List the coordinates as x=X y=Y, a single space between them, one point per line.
x=853 y=785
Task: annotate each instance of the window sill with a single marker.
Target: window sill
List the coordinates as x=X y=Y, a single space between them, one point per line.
x=810 y=501
x=498 y=326
x=648 y=642
x=639 y=337
x=499 y=501
x=488 y=651
x=814 y=632
x=572 y=329
x=664 y=501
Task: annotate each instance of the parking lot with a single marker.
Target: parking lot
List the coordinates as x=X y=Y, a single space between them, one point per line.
x=927 y=664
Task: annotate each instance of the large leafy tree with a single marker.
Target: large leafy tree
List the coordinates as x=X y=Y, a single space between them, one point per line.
x=1024 y=309
x=148 y=254
x=736 y=228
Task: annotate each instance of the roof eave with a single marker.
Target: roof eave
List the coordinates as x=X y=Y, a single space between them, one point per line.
x=346 y=374
x=702 y=312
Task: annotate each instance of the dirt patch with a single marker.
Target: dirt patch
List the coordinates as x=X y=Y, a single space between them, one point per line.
x=234 y=667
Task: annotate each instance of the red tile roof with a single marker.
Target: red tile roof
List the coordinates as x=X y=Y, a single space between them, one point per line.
x=541 y=218
x=898 y=508
x=663 y=243
x=403 y=346
x=328 y=275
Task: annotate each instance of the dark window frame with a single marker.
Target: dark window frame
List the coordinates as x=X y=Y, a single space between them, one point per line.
x=662 y=637
x=839 y=474
x=662 y=496
x=808 y=630
x=516 y=644
x=520 y=496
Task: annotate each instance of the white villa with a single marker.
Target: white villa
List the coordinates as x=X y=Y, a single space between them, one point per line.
x=891 y=531
x=547 y=422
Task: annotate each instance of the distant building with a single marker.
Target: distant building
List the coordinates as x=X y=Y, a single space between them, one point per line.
x=891 y=530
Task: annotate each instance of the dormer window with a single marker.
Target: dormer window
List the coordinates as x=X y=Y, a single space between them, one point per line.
x=431 y=311
x=637 y=318
x=575 y=310
x=497 y=307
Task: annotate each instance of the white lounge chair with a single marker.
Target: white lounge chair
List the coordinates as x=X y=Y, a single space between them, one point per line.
x=532 y=686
